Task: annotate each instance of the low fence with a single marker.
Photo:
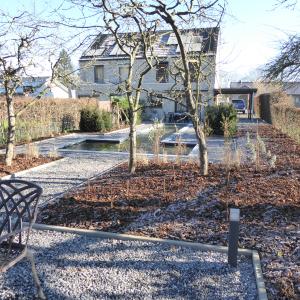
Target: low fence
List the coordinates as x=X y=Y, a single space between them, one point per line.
x=279 y=113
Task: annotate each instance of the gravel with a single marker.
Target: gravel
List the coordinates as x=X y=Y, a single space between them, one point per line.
x=65 y=174
x=72 y=266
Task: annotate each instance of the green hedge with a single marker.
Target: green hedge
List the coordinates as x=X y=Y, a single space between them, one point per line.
x=92 y=119
x=220 y=116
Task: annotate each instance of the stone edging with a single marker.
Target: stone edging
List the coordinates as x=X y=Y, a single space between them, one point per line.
x=261 y=290
x=20 y=173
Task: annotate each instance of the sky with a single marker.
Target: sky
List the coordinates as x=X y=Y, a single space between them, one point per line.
x=249 y=38
x=250 y=35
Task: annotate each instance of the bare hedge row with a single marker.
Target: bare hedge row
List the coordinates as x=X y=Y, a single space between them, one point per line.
x=287 y=118
x=45 y=117
x=274 y=109
x=46 y=110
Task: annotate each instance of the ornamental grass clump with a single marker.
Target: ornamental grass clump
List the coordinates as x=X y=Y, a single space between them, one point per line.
x=155 y=135
x=259 y=152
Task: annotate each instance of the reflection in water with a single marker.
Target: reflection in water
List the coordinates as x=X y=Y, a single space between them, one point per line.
x=145 y=143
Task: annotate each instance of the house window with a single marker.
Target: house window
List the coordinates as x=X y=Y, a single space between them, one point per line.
x=193 y=71
x=99 y=74
x=162 y=74
x=123 y=73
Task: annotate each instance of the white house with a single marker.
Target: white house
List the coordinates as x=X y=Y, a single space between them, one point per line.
x=51 y=89
x=104 y=67
x=41 y=87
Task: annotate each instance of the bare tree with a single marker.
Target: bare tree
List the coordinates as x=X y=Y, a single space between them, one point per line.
x=135 y=43
x=286 y=3
x=286 y=65
x=190 y=70
x=134 y=36
x=178 y=15
x=18 y=40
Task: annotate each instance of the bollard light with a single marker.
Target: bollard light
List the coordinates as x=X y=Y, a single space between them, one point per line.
x=233 y=236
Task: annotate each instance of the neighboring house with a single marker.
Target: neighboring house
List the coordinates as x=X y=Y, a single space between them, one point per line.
x=292 y=89
x=104 y=67
x=42 y=87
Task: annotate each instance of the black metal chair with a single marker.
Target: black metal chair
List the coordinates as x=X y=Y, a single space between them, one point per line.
x=18 y=203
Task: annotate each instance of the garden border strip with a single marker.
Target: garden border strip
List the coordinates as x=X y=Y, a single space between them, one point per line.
x=32 y=169
x=261 y=290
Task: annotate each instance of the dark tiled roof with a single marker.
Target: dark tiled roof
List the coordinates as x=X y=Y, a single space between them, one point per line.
x=195 y=40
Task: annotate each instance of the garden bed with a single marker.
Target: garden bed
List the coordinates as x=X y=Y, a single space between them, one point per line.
x=21 y=163
x=173 y=201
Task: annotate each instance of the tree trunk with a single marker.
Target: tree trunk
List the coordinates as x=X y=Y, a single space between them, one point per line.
x=10 y=143
x=132 y=142
x=203 y=156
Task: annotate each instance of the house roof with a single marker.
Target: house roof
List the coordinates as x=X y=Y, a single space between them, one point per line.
x=104 y=46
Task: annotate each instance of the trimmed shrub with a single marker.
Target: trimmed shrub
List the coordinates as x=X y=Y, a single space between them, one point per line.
x=67 y=123
x=91 y=120
x=219 y=117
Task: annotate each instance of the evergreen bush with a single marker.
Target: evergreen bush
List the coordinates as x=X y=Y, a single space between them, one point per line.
x=91 y=120
x=217 y=115
x=67 y=123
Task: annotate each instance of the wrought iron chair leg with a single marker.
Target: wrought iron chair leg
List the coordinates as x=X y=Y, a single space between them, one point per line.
x=37 y=282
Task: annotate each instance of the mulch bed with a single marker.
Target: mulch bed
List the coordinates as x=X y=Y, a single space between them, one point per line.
x=174 y=201
x=22 y=162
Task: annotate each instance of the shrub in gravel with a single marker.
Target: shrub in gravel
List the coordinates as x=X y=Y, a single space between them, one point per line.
x=216 y=115
x=91 y=119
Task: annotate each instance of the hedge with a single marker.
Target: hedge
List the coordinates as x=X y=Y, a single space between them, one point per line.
x=45 y=117
x=287 y=119
x=274 y=109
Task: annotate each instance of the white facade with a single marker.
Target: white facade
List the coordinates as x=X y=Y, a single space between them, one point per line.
x=114 y=73
x=104 y=69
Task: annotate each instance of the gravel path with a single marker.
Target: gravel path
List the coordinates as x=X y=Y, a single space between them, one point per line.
x=67 y=173
x=79 y=267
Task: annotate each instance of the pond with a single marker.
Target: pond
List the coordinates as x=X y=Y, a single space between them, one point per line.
x=145 y=143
